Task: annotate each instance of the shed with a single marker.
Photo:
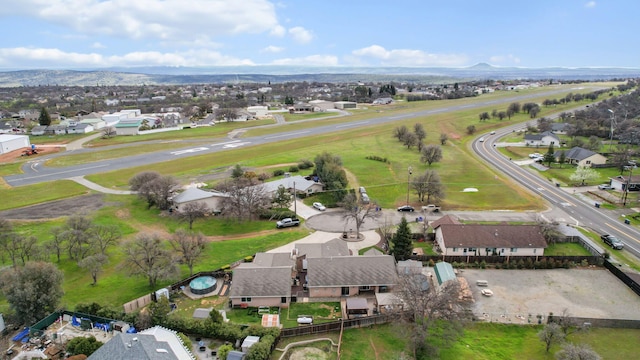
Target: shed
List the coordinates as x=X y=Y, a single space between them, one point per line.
x=444 y=272
x=9 y=143
x=248 y=342
x=201 y=313
x=357 y=307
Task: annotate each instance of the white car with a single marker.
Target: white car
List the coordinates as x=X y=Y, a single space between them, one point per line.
x=535 y=155
x=319 y=206
x=486 y=292
x=605 y=187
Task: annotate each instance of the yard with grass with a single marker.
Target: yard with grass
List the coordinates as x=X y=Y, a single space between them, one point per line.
x=487 y=341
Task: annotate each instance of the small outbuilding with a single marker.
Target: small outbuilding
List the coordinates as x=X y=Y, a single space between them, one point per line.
x=357 y=307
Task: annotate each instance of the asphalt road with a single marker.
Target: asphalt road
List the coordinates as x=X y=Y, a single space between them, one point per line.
x=576 y=210
x=35 y=172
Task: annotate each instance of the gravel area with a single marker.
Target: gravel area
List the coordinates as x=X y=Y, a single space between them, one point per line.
x=594 y=293
x=80 y=205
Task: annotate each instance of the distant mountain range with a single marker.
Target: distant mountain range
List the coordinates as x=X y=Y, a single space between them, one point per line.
x=279 y=74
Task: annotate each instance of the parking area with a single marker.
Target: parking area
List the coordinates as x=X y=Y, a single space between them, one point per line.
x=520 y=295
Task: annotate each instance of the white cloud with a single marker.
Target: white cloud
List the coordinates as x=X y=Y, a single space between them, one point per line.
x=168 y=20
x=272 y=49
x=300 y=34
x=408 y=57
x=313 y=60
x=590 y=4
x=50 y=58
x=504 y=60
x=97 y=45
x=278 y=31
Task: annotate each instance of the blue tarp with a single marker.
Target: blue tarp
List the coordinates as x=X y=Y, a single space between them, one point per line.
x=24 y=333
x=131 y=330
x=74 y=321
x=103 y=327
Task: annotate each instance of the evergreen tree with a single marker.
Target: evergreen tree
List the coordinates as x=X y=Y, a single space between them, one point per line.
x=44 y=118
x=401 y=241
x=549 y=157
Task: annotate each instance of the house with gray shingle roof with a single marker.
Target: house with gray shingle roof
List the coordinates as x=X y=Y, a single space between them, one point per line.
x=213 y=199
x=254 y=286
x=350 y=275
x=543 y=139
x=156 y=343
x=490 y=240
x=302 y=185
x=581 y=157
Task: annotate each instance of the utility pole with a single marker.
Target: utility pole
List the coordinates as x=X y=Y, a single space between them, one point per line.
x=409 y=182
x=295 y=205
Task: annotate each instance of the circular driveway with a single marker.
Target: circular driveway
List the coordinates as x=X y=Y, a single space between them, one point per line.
x=333 y=220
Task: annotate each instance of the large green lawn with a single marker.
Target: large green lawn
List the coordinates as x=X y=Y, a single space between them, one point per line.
x=487 y=341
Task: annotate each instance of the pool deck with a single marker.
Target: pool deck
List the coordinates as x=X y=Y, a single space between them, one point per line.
x=216 y=291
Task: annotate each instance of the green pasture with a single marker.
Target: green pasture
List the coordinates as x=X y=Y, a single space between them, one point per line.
x=11 y=168
x=55 y=139
x=487 y=341
x=566 y=249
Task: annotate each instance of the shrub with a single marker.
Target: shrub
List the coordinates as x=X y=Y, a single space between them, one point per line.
x=278 y=172
x=432 y=263
x=498 y=266
x=483 y=264
x=378 y=158
x=263 y=176
x=293 y=168
x=305 y=164
x=520 y=264
x=275 y=214
x=528 y=264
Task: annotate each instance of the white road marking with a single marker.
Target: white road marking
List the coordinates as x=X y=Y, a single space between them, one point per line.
x=352 y=124
x=180 y=152
x=225 y=143
x=235 y=145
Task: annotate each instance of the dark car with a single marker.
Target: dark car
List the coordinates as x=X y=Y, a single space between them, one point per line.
x=406 y=208
x=612 y=241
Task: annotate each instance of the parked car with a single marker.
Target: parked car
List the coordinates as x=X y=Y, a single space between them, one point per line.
x=362 y=190
x=287 y=222
x=365 y=198
x=319 y=206
x=612 y=241
x=535 y=155
x=406 y=208
x=605 y=187
x=431 y=208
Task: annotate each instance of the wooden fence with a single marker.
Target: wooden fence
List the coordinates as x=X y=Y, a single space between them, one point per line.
x=336 y=325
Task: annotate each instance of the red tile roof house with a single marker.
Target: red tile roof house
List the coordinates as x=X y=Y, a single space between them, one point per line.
x=490 y=240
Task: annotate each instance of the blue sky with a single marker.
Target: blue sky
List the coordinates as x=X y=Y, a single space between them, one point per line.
x=77 y=34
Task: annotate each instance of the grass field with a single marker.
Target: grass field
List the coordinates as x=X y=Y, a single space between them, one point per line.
x=34 y=194
x=487 y=341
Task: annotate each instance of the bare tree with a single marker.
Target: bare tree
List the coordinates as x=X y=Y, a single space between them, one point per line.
x=443 y=139
x=11 y=244
x=94 y=264
x=101 y=237
x=400 y=132
x=428 y=184
x=147 y=256
x=108 y=132
x=410 y=140
x=141 y=179
x=577 y=352
x=246 y=198
x=358 y=212
x=431 y=154
x=154 y=188
x=189 y=246
x=193 y=211
x=76 y=236
x=57 y=244
x=424 y=305
x=418 y=129
x=551 y=334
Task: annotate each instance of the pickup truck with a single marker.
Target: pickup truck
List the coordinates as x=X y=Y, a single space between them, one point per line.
x=612 y=241
x=287 y=222
x=431 y=208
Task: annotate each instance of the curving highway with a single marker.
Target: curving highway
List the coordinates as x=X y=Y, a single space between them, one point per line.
x=576 y=210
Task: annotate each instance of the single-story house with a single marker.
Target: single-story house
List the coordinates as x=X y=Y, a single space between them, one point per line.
x=490 y=240
x=213 y=199
x=9 y=143
x=543 y=139
x=331 y=248
x=56 y=130
x=621 y=182
x=350 y=275
x=559 y=128
x=581 y=157
x=254 y=286
x=322 y=105
x=156 y=343
x=38 y=130
x=301 y=185
x=302 y=107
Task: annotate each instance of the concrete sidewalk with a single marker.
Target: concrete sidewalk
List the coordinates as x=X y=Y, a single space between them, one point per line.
x=93 y=186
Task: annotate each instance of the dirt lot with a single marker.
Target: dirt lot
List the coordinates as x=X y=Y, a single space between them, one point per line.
x=17 y=154
x=81 y=205
x=592 y=293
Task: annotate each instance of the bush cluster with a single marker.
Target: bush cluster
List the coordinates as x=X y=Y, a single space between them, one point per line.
x=294 y=168
x=278 y=172
x=275 y=214
x=378 y=158
x=305 y=164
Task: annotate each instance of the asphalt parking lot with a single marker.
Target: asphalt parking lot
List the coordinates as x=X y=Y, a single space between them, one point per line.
x=590 y=293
